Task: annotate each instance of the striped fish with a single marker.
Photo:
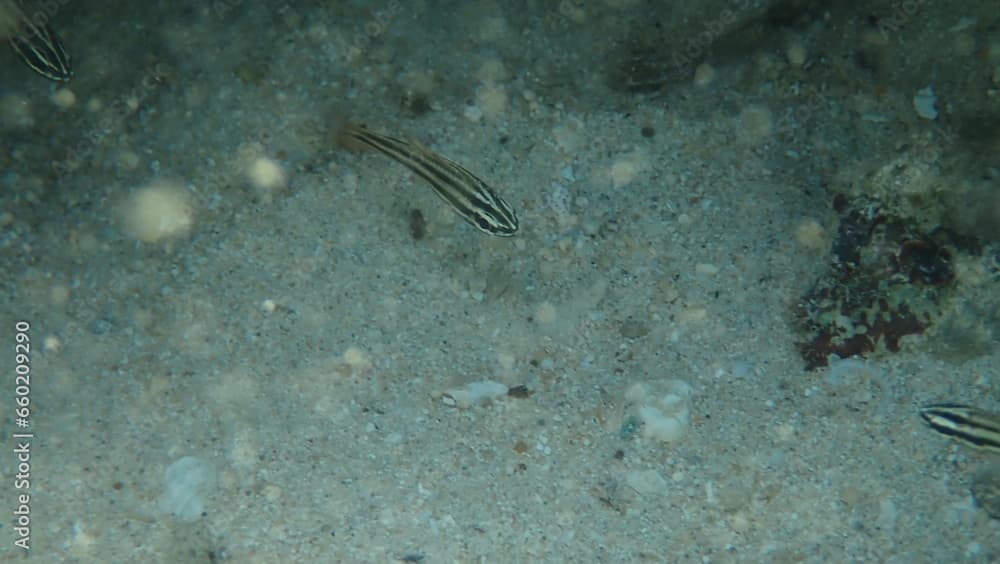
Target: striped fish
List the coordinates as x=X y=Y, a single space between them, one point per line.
x=36 y=43
x=471 y=198
x=974 y=427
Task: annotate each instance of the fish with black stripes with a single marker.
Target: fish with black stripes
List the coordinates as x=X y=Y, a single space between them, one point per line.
x=34 y=41
x=470 y=197
x=971 y=426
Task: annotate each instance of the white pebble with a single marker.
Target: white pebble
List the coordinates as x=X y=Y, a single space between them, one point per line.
x=473 y=113
x=706 y=269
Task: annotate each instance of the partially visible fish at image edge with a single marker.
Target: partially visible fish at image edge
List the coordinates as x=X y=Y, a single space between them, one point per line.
x=34 y=41
x=971 y=426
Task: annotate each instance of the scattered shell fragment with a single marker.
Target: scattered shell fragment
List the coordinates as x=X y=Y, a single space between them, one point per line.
x=188 y=482
x=924 y=102
x=646 y=482
x=661 y=408
x=474 y=393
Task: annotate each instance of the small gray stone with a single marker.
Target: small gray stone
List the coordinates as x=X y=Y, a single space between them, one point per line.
x=99 y=326
x=632 y=329
x=986 y=489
